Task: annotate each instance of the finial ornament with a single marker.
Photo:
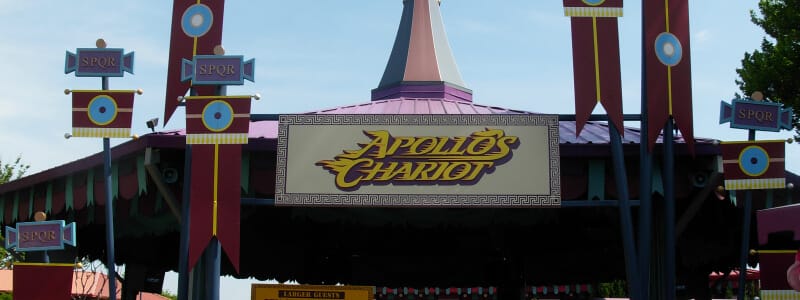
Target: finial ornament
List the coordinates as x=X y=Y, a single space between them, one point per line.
x=100 y=43
x=757 y=95
x=218 y=50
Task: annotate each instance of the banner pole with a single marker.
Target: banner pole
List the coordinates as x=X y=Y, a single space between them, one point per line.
x=183 y=254
x=110 y=264
x=745 y=247
x=669 y=209
x=626 y=222
x=645 y=180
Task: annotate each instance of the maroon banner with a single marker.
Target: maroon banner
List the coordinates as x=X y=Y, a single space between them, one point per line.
x=596 y=69
x=215 y=199
x=102 y=109
x=753 y=159
x=42 y=281
x=217 y=114
x=196 y=30
x=668 y=68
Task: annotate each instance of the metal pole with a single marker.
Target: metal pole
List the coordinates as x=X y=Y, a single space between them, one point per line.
x=214 y=259
x=110 y=264
x=645 y=182
x=183 y=255
x=748 y=206
x=669 y=210
x=626 y=222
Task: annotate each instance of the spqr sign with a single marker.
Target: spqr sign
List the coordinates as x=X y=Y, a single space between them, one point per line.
x=756 y=115
x=311 y=292
x=38 y=236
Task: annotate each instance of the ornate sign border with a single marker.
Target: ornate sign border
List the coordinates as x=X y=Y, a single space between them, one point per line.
x=553 y=199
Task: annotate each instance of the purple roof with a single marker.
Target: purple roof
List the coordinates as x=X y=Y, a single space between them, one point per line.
x=593 y=133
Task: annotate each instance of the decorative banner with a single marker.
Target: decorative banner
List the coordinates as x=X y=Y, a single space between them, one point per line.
x=217 y=119
x=43 y=281
x=311 y=292
x=418 y=161
x=102 y=113
x=752 y=165
x=99 y=62
x=595 y=57
x=756 y=115
x=668 y=68
x=216 y=126
x=218 y=70
x=196 y=30
x=39 y=236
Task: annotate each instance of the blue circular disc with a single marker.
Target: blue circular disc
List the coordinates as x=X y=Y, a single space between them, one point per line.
x=594 y=2
x=217 y=115
x=668 y=49
x=102 y=110
x=754 y=161
x=197 y=20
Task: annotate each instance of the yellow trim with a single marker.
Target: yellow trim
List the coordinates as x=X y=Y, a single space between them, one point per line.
x=666 y=14
x=776 y=251
x=583 y=11
x=596 y=58
x=753 y=142
x=43 y=264
x=216 y=189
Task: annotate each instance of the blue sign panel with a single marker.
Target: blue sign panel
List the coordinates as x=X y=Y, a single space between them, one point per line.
x=39 y=236
x=218 y=70
x=98 y=62
x=756 y=115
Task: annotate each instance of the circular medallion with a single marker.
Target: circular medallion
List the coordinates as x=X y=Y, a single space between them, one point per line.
x=668 y=49
x=594 y=2
x=102 y=110
x=197 y=20
x=217 y=115
x=754 y=161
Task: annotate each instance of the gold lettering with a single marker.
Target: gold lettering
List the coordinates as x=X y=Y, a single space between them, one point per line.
x=424 y=159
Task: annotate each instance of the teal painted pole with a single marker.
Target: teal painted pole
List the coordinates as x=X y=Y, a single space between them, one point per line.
x=183 y=252
x=745 y=249
x=626 y=221
x=110 y=264
x=669 y=210
x=645 y=182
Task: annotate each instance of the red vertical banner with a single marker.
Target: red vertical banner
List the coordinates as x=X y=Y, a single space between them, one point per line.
x=196 y=30
x=668 y=68
x=216 y=126
x=595 y=58
x=30 y=278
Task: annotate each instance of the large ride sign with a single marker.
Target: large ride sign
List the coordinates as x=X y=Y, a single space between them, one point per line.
x=418 y=161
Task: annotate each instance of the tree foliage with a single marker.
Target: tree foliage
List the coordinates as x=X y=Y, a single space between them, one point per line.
x=8 y=172
x=775 y=69
x=12 y=171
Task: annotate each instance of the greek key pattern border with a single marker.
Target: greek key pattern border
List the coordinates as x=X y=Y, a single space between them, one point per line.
x=415 y=200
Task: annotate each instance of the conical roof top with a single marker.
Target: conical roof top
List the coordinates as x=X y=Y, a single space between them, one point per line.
x=421 y=64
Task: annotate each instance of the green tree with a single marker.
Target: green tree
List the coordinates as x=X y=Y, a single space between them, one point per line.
x=8 y=172
x=775 y=69
x=169 y=295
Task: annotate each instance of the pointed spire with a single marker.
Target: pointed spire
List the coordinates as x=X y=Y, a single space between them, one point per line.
x=421 y=64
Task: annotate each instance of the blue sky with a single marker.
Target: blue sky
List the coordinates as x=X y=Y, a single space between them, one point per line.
x=318 y=54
